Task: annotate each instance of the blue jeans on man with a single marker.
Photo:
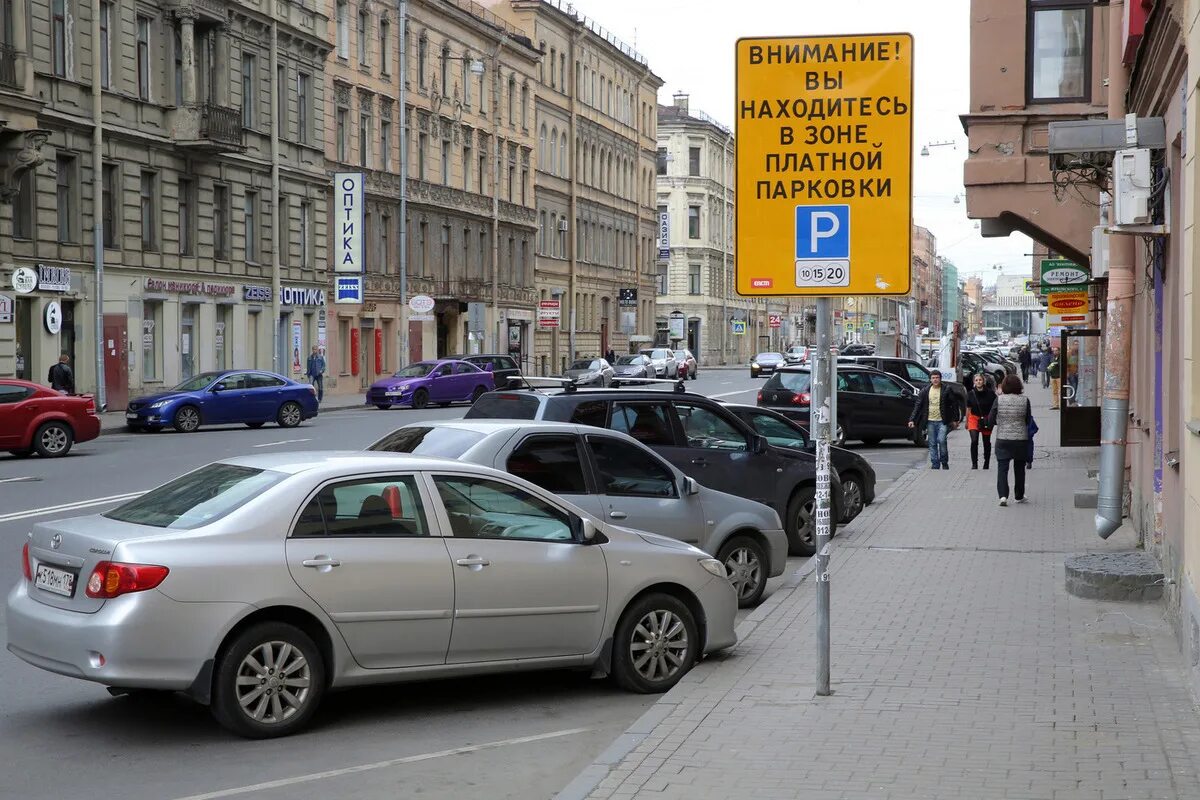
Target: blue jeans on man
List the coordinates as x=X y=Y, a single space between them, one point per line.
x=939 y=455
x=319 y=382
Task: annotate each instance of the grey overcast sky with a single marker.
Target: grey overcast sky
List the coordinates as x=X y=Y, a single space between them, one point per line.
x=690 y=45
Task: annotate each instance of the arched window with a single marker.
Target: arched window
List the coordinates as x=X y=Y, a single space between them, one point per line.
x=525 y=106
x=542 y=149
x=595 y=167
x=562 y=155
x=552 y=154
x=422 y=60
x=512 y=101
x=542 y=232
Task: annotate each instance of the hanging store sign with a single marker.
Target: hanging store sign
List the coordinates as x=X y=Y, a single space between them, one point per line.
x=1062 y=275
x=53 y=279
x=347 y=289
x=824 y=165
x=190 y=287
x=288 y=295
x=348 y=222
x=627 y=298
x=774 y=320
x=421 y=303
x=24 y=280
x=664 y=236
x=549 y=313
x=52 y=318
x=1068 y=308
x=6 y=308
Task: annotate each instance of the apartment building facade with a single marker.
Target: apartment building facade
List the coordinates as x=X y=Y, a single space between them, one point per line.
x=594 y=185
x=191 y=215
x=926 y=281
x=695 y=165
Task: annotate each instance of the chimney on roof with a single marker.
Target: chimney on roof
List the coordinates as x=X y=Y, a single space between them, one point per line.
x=681 y=101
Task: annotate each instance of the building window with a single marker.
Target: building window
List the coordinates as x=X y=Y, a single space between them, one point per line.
x=143 y=57
x=482 y=171
x=553 y=66
x=343 y=29
x=23 y=206
x=422 y=61
x=60 y=37
x=445 y=162
x=364 y=23
x=466 y=165
x=693 y=222
x=524 y=108
x=281 y=238
x=105 y=44
x=342 y=142
x=422 y=144
x=385 y=250
x=693 y=279
x=305 y=234
x=445 y=69
x=662 y=278
x=524 y=183
x=385 y=145
x=303 y=91
x=281 y=100
x=149 y=210
x=466 y=79
x=542 y=232
x=482 y=78
x=177 y=45
x=364 y=139
x=694 y=162
x=66 y=196
x=221 y=222
x=151 y=341
x=109 y=197
x=385 y=44
x=250 y=213
x=1059 y=50
x=661 y=161
x=512 y=103
x=249 y=74
x=187 y=217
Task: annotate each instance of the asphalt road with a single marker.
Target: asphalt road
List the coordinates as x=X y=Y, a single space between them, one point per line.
x=515 y=736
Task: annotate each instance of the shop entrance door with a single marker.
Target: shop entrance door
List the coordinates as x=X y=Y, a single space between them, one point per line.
x=1079 y=394
x=187 y=342
x=116 y=360
x=415 y=346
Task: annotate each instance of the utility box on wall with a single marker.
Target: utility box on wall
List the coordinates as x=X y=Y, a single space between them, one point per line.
x=1132 y=187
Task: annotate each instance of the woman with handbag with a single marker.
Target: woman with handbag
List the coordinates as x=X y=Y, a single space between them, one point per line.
x=980 y=399
x=1010 y=417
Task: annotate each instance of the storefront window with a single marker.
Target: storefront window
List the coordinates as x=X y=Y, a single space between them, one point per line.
x=1059 y=50
x=187 y=341
x=222 y=341
x=151 y=340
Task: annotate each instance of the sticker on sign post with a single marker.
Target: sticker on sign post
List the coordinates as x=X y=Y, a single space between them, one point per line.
x=822 y=246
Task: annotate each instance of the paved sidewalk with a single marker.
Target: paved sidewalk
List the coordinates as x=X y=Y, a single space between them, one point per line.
x=961 y=667
x=115 y=420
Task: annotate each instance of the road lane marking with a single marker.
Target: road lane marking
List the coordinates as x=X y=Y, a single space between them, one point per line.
x=731 y=394
x=41 y=512
x=22 y=479
x=285 y=441
x=392 y=762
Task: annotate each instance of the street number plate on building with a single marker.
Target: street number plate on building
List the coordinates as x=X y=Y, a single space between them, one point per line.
x=58 y=581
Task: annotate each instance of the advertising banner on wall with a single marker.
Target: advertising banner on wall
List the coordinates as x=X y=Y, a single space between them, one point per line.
x=297 y=343
x=348 y=222
x=664 y=236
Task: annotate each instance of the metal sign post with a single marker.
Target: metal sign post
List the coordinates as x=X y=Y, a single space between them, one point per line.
x=822 y=427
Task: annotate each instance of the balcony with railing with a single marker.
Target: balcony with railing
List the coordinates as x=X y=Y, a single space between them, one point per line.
x=208 y=127
x=10 y=76
x=204 y=11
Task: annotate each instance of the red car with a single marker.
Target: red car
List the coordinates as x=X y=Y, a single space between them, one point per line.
x=36 y=419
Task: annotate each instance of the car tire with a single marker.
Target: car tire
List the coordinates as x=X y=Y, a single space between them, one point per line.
x=133 y=427
x=746 y=562
x=281 y=710
x=187 y=419
x=443 y=405
x=53 y=440
x=290 y=415
x=801 y=523
x=873 y=441
x=382 y=406
x=420 y=398
x=853 y=496
x=639 y=657
x=479 y=392
x=255 y=424
x=22 y=453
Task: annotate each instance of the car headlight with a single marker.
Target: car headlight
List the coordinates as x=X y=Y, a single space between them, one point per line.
x=159 y=404
x=713 y=567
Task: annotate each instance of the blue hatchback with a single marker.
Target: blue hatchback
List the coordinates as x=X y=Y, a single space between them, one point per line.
x=222 y=398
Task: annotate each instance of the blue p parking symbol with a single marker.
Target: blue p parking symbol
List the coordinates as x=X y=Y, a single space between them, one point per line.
x=823 y=245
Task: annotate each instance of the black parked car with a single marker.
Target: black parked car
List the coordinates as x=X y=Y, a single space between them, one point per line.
x=858 y=349
x=871 y=404
x=698 y=435
x=501 y=366
x=856 y=474
x=909 y=370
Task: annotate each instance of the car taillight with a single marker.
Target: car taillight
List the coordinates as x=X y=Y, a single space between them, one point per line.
x=112 y=578
x=800 y=399
x=26 y=569
x=760 y=397
x=91 y=404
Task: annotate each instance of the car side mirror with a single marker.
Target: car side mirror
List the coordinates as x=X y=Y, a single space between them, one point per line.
x=906 y=394
x=691 y=485
x=587 y=529
x=219 y=387
x=760 y=444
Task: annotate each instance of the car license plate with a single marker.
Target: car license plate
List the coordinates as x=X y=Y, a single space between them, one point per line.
x=130 y=415
x=54 y=580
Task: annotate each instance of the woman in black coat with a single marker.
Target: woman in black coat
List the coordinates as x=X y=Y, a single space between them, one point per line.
x=980 y=399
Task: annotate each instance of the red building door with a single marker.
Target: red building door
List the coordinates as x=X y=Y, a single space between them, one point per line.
x=116 y=360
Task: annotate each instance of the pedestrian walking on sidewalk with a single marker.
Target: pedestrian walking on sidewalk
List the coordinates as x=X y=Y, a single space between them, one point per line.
x=1025 y=361
x=1046 y=358
x=980 y=400
x=1010 y=417
x=316 y=372
x=936 y=410
x=1053 y=369
x=61 y=377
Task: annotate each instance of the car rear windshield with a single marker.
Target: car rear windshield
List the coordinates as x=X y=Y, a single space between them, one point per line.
x=429 y=441
x=198 y=498
x=792 y=381
x=504 y=405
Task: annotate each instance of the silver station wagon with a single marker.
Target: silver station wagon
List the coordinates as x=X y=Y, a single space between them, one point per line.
x=257 y=584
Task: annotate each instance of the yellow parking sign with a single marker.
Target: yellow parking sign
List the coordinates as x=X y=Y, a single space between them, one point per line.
x=824 y=165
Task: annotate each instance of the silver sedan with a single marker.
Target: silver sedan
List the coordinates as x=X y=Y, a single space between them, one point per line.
x=257 y=584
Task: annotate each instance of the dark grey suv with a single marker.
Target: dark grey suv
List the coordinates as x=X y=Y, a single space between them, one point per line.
x=698 y=435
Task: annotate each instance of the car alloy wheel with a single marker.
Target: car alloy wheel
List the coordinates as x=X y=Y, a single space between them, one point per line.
x=852 y=497
x=656 y=642
x=290 y=415
x=745 y=561
x=420 y=398
x=53 y=439
x=268 y=681
x=187 y=419
x=659 y=644
x=273 y=682
x=478 y=393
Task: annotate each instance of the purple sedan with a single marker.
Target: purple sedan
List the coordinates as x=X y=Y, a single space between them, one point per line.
x=443 y=382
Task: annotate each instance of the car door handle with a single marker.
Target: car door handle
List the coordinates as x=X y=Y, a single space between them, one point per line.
x=700 y=462
x=321 y=561
x=617 y=514
x=472 y=561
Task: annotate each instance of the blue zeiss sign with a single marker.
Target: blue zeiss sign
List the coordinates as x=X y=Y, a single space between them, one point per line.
x=348 y=289
x=822 y=233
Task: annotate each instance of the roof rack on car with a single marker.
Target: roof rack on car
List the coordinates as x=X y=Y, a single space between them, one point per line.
x=677 y=383
x=528 y=382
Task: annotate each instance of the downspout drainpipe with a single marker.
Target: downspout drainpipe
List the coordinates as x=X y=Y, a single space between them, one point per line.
x=1118 y=334
x=98 y=214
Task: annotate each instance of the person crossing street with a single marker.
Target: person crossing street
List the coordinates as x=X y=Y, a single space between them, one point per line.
x=316 y=372
x=936 y=409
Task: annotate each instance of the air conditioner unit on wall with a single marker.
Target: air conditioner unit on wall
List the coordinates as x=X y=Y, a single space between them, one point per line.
x=562 y=225
x=1099 y=261
x=1132 y=187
